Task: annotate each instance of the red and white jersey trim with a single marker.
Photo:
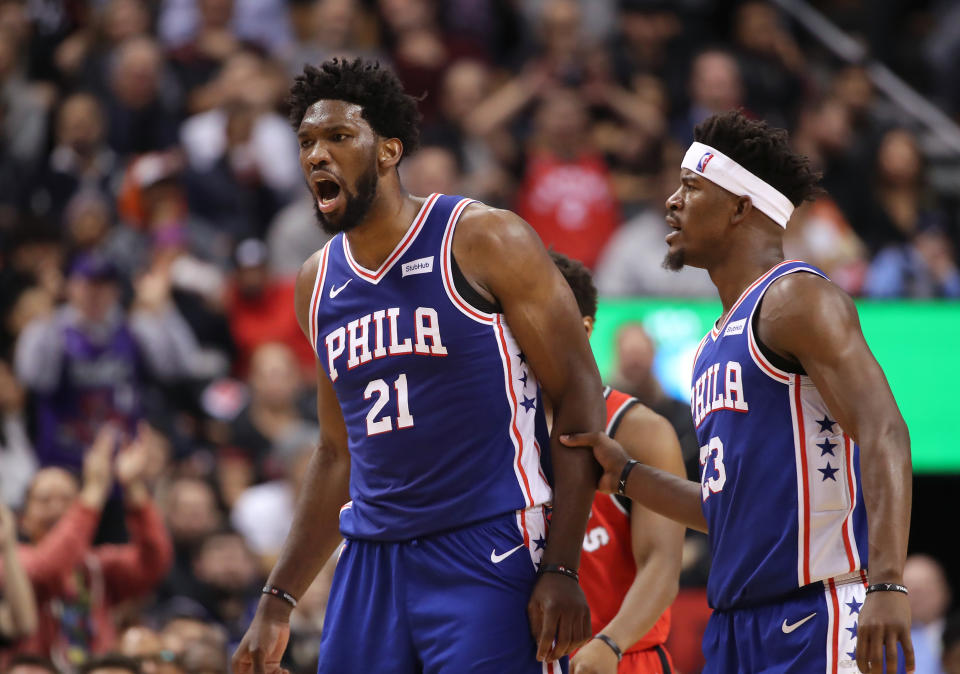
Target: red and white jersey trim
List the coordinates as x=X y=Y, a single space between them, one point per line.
x=716 y=331
x=315 y=296
x=376 y=276
x=536 y=490
x=826 y=488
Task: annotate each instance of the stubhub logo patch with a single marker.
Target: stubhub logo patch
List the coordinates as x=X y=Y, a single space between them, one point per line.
x=422 y=266
x=735 y=328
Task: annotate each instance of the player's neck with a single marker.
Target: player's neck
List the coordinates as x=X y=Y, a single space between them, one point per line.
x=735 y=272
x=390 y=216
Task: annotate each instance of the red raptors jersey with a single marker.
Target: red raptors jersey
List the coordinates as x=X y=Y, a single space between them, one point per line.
x=607 y=566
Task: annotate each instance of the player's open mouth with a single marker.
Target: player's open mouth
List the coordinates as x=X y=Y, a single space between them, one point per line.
x=328 y=195
x=675 y=233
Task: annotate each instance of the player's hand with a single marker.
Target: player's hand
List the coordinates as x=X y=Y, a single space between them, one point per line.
x=263 y=645
x=594 y=658
x=608 y=453
x=884 y=621
x=559 y=616
x=98 y=467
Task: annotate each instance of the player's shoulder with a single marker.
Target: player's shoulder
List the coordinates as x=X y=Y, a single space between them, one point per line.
x=303 y=289
x=800 y=297
x=485 y=226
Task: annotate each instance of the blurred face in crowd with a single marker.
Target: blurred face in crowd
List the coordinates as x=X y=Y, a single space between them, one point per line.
x=225 y=563
x=929 y=592
x=404 y=15
x=465 y=85
x=338 y=156
x=80 y=124
x=87 y=219
x=136 y=72
x=52 y=492
x=123 y=19
x=94 y=299
x=274 y=376
x=560 y=26
x=715 y=82
x=635 y=352
x=192 y=511
x=216 y=13
x=561 y=121
x=898 y=159
x=756 y=26
x=432 y=169
x=333 y=21
x=144 y=645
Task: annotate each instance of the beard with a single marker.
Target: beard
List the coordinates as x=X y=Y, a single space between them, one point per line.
x=673 y=260
x=357 y=205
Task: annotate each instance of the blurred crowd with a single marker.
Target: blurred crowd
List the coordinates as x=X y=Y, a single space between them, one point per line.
x=156 y=407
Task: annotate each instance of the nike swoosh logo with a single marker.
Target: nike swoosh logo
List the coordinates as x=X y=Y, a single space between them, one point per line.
x=336 y=291
x=496 y=559
x=787 y=629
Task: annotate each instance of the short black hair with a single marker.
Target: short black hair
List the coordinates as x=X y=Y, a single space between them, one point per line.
x=763 y=150
x=389 y=110
x=578 y=277
x=113 y=661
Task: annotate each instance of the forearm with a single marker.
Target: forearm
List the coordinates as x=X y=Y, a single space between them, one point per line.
x=668 y=495
x=575 y=478
x=646 y=600
x=314 y=533
x=18 y=594
x=886 y=474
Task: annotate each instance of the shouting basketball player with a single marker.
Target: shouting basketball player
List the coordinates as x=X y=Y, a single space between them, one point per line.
x=435 y=321
x=804 y=455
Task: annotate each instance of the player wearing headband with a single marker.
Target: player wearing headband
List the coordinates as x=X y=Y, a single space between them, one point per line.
x=805 y=458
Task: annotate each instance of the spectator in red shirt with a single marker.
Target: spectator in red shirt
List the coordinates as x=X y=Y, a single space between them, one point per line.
x=77 y=584
x=566 y=194
x=259 y=308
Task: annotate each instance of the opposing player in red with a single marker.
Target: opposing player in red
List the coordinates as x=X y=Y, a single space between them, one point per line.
x=630 y=564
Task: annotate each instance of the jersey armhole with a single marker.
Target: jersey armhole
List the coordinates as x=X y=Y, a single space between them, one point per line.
x=315 y=297
x=470 y=294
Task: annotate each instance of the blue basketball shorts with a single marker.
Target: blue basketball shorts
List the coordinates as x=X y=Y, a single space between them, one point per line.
x=813 y=630
x=442 y=604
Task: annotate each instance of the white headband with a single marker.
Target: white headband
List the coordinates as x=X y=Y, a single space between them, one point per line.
x=718 y=168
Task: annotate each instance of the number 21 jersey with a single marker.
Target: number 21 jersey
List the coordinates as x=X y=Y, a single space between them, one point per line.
x=443 y=413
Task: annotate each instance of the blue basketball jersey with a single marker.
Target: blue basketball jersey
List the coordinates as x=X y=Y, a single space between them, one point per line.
x=780 y=479
x=443 y=413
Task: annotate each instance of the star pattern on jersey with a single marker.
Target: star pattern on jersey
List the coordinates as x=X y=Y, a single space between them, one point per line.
x=522 y=357
x=523 y=378
x=828 y=472
x=541 y=543
x=826 y=447
x=826 y=424
x=852 y=654
x=529 y=404
x=852 y=630
x=854 y=606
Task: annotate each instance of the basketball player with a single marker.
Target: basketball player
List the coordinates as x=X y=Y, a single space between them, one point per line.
x=435 y=321
x=805 y=457
x=631 y=557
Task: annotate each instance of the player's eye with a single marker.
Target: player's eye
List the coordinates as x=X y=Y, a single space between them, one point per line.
x=337 y=137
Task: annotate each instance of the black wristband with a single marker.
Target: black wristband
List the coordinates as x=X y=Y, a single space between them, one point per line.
x=279 y=594
x=559 y=568
x=611 y=643
x=887 y=587
x=624 y=474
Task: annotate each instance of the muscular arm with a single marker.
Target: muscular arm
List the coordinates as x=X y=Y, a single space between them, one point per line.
x=502 y=255
x=806 y=318
x=504 y=259
x=314 y=533
x=657 y=542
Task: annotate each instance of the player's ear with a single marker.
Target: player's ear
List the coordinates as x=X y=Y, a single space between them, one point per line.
x=389 y=152
x=742 y=208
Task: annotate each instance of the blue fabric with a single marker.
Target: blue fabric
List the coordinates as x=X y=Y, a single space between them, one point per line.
x=436 y=605
x=776 y=637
